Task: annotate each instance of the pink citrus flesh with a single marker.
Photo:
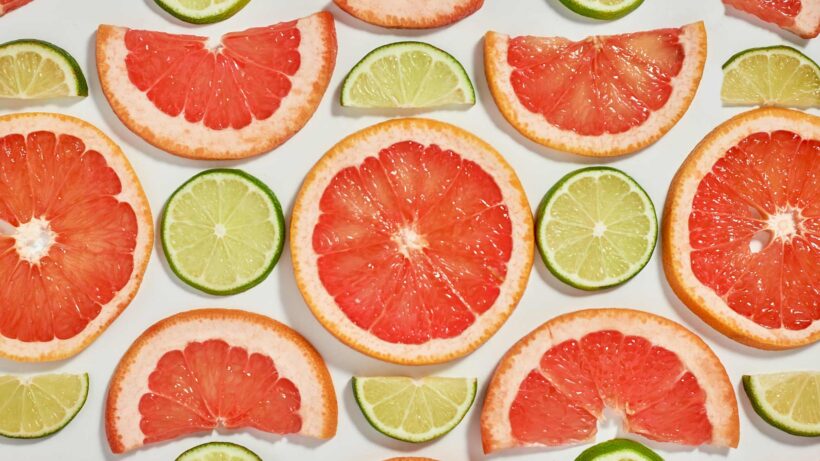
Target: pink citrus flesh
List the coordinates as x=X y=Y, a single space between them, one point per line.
x=9 y=5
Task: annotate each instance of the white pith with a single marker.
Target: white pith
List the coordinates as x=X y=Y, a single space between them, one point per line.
x=393 y=12
x=807 y=23
x=45 y=52
x=33 y=240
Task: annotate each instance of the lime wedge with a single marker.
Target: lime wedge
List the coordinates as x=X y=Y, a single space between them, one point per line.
x=223 y=231
x=218 y=451
x=787 y=401
x=596 y=228
x=414 y=410
x=407 y=75
x=40 y=405
x=618 y=450
x=602 y=9
x=34 y=69
x=771 y=76
x=202 y=11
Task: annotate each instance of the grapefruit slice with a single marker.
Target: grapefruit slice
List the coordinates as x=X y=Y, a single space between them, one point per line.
x=245 y=95
x=552 y=386
x=75 y=235
x=412 y=241
x=602 y=96
x=741 y=229
x=402 y=14
x=801 y=17
x=9 y=5
x=202 y=369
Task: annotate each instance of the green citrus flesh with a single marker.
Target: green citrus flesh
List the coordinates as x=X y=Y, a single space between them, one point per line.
x=788 y=401
x=40 y=405
x=618 y=450
x=34 y=69
x=414 y=410
x=223 y=231
x=596 y=228
x=602 y=9
x=407 y=75
x=218 y=451
x=771 y=76
x=202 y=11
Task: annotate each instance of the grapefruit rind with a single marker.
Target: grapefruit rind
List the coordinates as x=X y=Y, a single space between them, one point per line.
x=73 y=74
x=215 y=12
x=676 y=247
x=602 y=10
x=757 y=397
x=537 y=129
x=525 y=355
x=618 y=450
x=400 y=14
x=806 y=24
x=294 y=357
x=218 y=451
x=70 y=414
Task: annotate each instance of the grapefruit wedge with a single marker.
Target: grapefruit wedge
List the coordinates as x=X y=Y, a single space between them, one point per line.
x=75 y=235
x=9 y=5
x=202 y=369
x=412 y=241
x=741 y=229
x=551 y=388
x=402 y=14
x=240 y=97
x=801 y=17
x=602 y=96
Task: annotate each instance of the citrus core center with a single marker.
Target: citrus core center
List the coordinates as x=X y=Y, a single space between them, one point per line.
x=599 y=229
x=783 y=224
x=409 y=241
x=33 y=240
x=220 y=230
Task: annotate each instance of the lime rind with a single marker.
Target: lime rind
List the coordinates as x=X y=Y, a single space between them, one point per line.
x=618 y=450
x=228 y=450
x=215 y=12
x=71 y=413
x=74 y=77
x=603 y=10
x=755 y=391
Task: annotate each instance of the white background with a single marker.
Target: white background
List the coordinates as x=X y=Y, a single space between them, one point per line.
x=72 y=23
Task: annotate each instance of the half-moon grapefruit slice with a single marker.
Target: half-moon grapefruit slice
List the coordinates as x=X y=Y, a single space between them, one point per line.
x=551 y=388
x=9 y=5
x=412 y=241
x=401 y=14
x=741 y=229
x=243 y=96
x=601 y=96
x=202 y=369
x=75 y=235
x=801 y=17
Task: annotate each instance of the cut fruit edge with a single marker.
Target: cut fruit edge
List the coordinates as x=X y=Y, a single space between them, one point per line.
x=806 y=23
x=537 y=129
x=597 y=9
x=618 y=450
x=755 y=393
x=71 y=413
x=132 y=194
x=676 y=248
x=733 y=62
x=211 y=14
x=74 y=77
x=436 y=16
x=206 y=452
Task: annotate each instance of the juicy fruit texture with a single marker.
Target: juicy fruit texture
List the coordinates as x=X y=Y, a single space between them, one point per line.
x=799 y=16
x=202 y=11
x=602 y=9
x=789 y=401
x=777 y=75
x=40 y=405
x=34 y=69
x=420 y=14
x=218 y=451
x=618 y=450
x=9 y=5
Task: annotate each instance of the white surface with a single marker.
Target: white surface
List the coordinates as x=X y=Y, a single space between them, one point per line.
x=71 y=24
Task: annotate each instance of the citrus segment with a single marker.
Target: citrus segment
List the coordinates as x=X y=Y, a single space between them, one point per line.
x=410 y=15
x=602 y=9
x=801 y=17
x=618 y=450
x=40 y=405
x=202 y=11
x=789 y=401
x=9 y=5
x=34 y=69
x=218 y=451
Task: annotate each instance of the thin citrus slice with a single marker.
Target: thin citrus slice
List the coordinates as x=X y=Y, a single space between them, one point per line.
x=602 y=9
x=666 y=384
x=244 y=96
x=75 y=235
x=741 y=229
x=602 y=96
x=40 y=405
x=407 y=75
x=596 y=228
x=789 y=401
x=801 y=17
x=414 y=410
x=402 y=14
x=218 y=451
x=412 y=241
x=34 y=69
x=9 y=5
x=618 y=450
x=202 y=369
x=202 y=11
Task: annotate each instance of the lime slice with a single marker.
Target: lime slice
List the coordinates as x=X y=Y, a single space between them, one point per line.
x=596 y=228
x=202 y=11
x=407 y=75
x=218 y=451
x=40 y=405
x=618 y=450
x=771 y=76
x=223 y=231
x=414 y=410
x=787 y=401
x=602 y=9
x=34 y=69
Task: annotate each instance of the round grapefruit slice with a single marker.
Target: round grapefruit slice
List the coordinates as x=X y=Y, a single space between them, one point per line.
x=402 y=14
x=801 y=17
x=602 y=96
x=551 y=388
x=243 y=96
x=9 y=5
x=202 y=369
x=75 y=235
x=741 y=229
x=412 y=241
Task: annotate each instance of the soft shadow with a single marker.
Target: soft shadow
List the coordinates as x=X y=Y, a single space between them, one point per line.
x=473 y=422
x=754 y=20
x=560 y=286
x=38 y=105
x=765 y=428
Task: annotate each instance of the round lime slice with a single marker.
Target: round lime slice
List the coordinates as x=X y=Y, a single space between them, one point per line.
x=202 y=11
x=218 y=451
x=34 y=69
x=602 y=9
x=223 y=231
x=40 y=405
x=788 y=401
x=618 y=450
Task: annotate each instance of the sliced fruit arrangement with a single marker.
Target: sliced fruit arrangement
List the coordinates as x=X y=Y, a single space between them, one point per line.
x=407 y=75
x=412 y=241
x=552 y=386
x=41 y=405
x=789 y=401
x=218 y=451
x=9 y=5
x=34 y=69
x=208 y=368
x=596 y=228
x=618 y=450
x=223 y=231
x=402 y=14
x=202 y=11
x=75 y=235
x=771 y=76
x=602 y=96
x=602 y=9
x=411 y=458
x=246 y=96
x=414 y=410
x=801 y=17
x=741 y=229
